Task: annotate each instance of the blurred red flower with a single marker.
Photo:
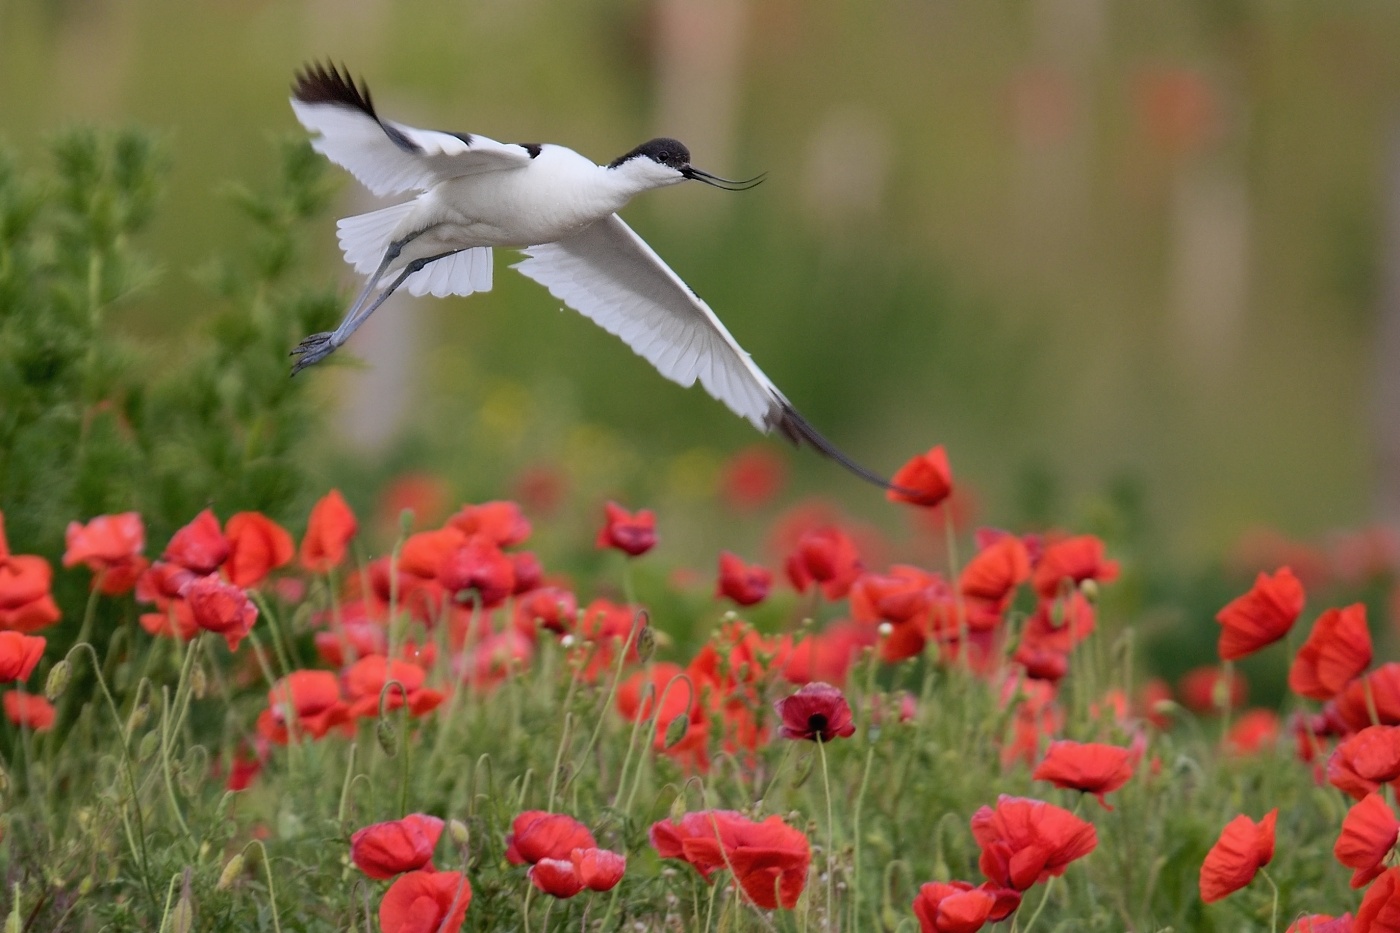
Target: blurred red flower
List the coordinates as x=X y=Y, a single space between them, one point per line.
x=310 y=698
x=1256 y=730
x=384 y=850
x=633 y=533
x=19 y=655
x=426 y=902
x=1178 y=108
x=603 y=627
x=924 y=480
x=538 y=834
x=769 y=859
x=1074 y=559
x=366 y=679
x=110 y=546
x=827 y=557
x=220 y=608
x=996 y=570
x=548 y=607
x=1204 y=690
x=328 y=533
x=952 y=907
x=1243 y=848
x=501 y=522
x=1337 y=650
x=257 y=546
x=823 y=656
x=423 y=494
x=663 y=682
x=1322 y=923
x=1369 y=833
x=746 y=584
x=26 y=603
x=1380 y=908
x=29 y=710
x=1025 y=841
x=1365 y=760
x=751 y=478
x=478 y=566
x=1378 y=692
x=1260 y=617
x=200 y=547
x=498 y=656
x=818 y=712
x=1090 y=767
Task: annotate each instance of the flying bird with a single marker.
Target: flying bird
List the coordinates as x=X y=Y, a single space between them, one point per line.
x=472 y=194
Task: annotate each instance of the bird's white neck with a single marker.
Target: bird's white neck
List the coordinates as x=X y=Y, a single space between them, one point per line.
x=634 y=176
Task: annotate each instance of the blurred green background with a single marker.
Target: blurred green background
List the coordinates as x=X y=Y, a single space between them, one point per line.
x=1126 y=253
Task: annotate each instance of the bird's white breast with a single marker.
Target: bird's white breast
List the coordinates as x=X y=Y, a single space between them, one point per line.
x=557 y=194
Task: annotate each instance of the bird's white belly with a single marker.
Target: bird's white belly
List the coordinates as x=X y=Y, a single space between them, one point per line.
x=510 y=209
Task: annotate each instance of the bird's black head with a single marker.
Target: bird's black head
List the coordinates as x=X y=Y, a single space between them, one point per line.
x=662 y=150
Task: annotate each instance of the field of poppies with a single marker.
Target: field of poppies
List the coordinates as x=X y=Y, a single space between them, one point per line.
x=223 y=711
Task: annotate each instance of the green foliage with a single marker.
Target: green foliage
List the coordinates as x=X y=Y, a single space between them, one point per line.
x=92 y=421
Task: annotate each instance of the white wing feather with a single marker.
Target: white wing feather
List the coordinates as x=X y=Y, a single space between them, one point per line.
x=610 y=275
x=462 y=273
x=390 y=158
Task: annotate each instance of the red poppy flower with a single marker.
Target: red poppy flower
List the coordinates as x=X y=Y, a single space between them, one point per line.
x=769 y=859
x=257 y=546
x=595 y=869
x=328 y=533
x=1337 y=650
x=1366 y=760
x=818 y=712
x=825 y=656
x=426 y=902
x=1379 y=691
x=638 y=696
x=26 y=603
x=1026 y=841
x=1260 y=617
x=529 y=572
x=1074 y=559
x=537 y=834
x=603 y=627
x=311 y=698
x=751 y=478
x=746 y=584
x=110 y=546
x=1203 y=689
x=952 y=907
x=199 y=547
x=502 y=523
x=548 y=607
x=221 y=608
x=1256 y=730
x=1369 y=833
x=1322 y=923
x=384 y=850
x=366 y=679
x=902 y=595
x=633 y=533
x=996 y=570
x=1243 y=848
x=924 y=480
x=827 y=557
x=1380 y=908
x=29 y=710
x=497 y=657
x=1090 y=767
x=478 y=566
x=19 y=655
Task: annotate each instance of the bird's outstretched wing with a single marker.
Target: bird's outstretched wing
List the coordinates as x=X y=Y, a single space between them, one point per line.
x=386 y=157
x=610 y=275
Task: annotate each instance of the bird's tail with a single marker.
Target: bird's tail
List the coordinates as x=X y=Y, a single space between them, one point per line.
x=785 y=419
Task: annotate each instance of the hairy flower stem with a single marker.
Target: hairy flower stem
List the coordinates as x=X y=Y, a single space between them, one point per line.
x=136 y=841
x=166 y=752
x=271 y=890
x=637 y=622
x=564 y=737
x=855 y=831
x=1273 y=915
x=830 y=838
x=283 y=651
x=1044 y=898
x=1225 y=688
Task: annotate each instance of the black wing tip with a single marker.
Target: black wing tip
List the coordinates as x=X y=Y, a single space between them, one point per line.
x=784 y=419
x=325 y=84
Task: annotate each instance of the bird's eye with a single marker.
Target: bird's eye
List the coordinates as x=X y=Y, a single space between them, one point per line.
x=663 y=156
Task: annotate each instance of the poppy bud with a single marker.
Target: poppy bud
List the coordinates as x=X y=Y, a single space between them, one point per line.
x=199 y=681
x=230 y=874
x=182 y=916
x=138 y=718
x=646 y=643
x=677 y=730
x=459 y=834
x=147 y=748
x=388 y=737
x=57 y=681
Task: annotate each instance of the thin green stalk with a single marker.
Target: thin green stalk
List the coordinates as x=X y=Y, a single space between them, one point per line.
x=855 y=831
x=637 y=622
x=1273 y=915
x=564 y=737
x=830 y=837
x=165 y=767
x=1044 y=898
x=271 y=889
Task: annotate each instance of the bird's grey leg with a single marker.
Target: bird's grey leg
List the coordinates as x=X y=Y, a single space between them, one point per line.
x=319 y=346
